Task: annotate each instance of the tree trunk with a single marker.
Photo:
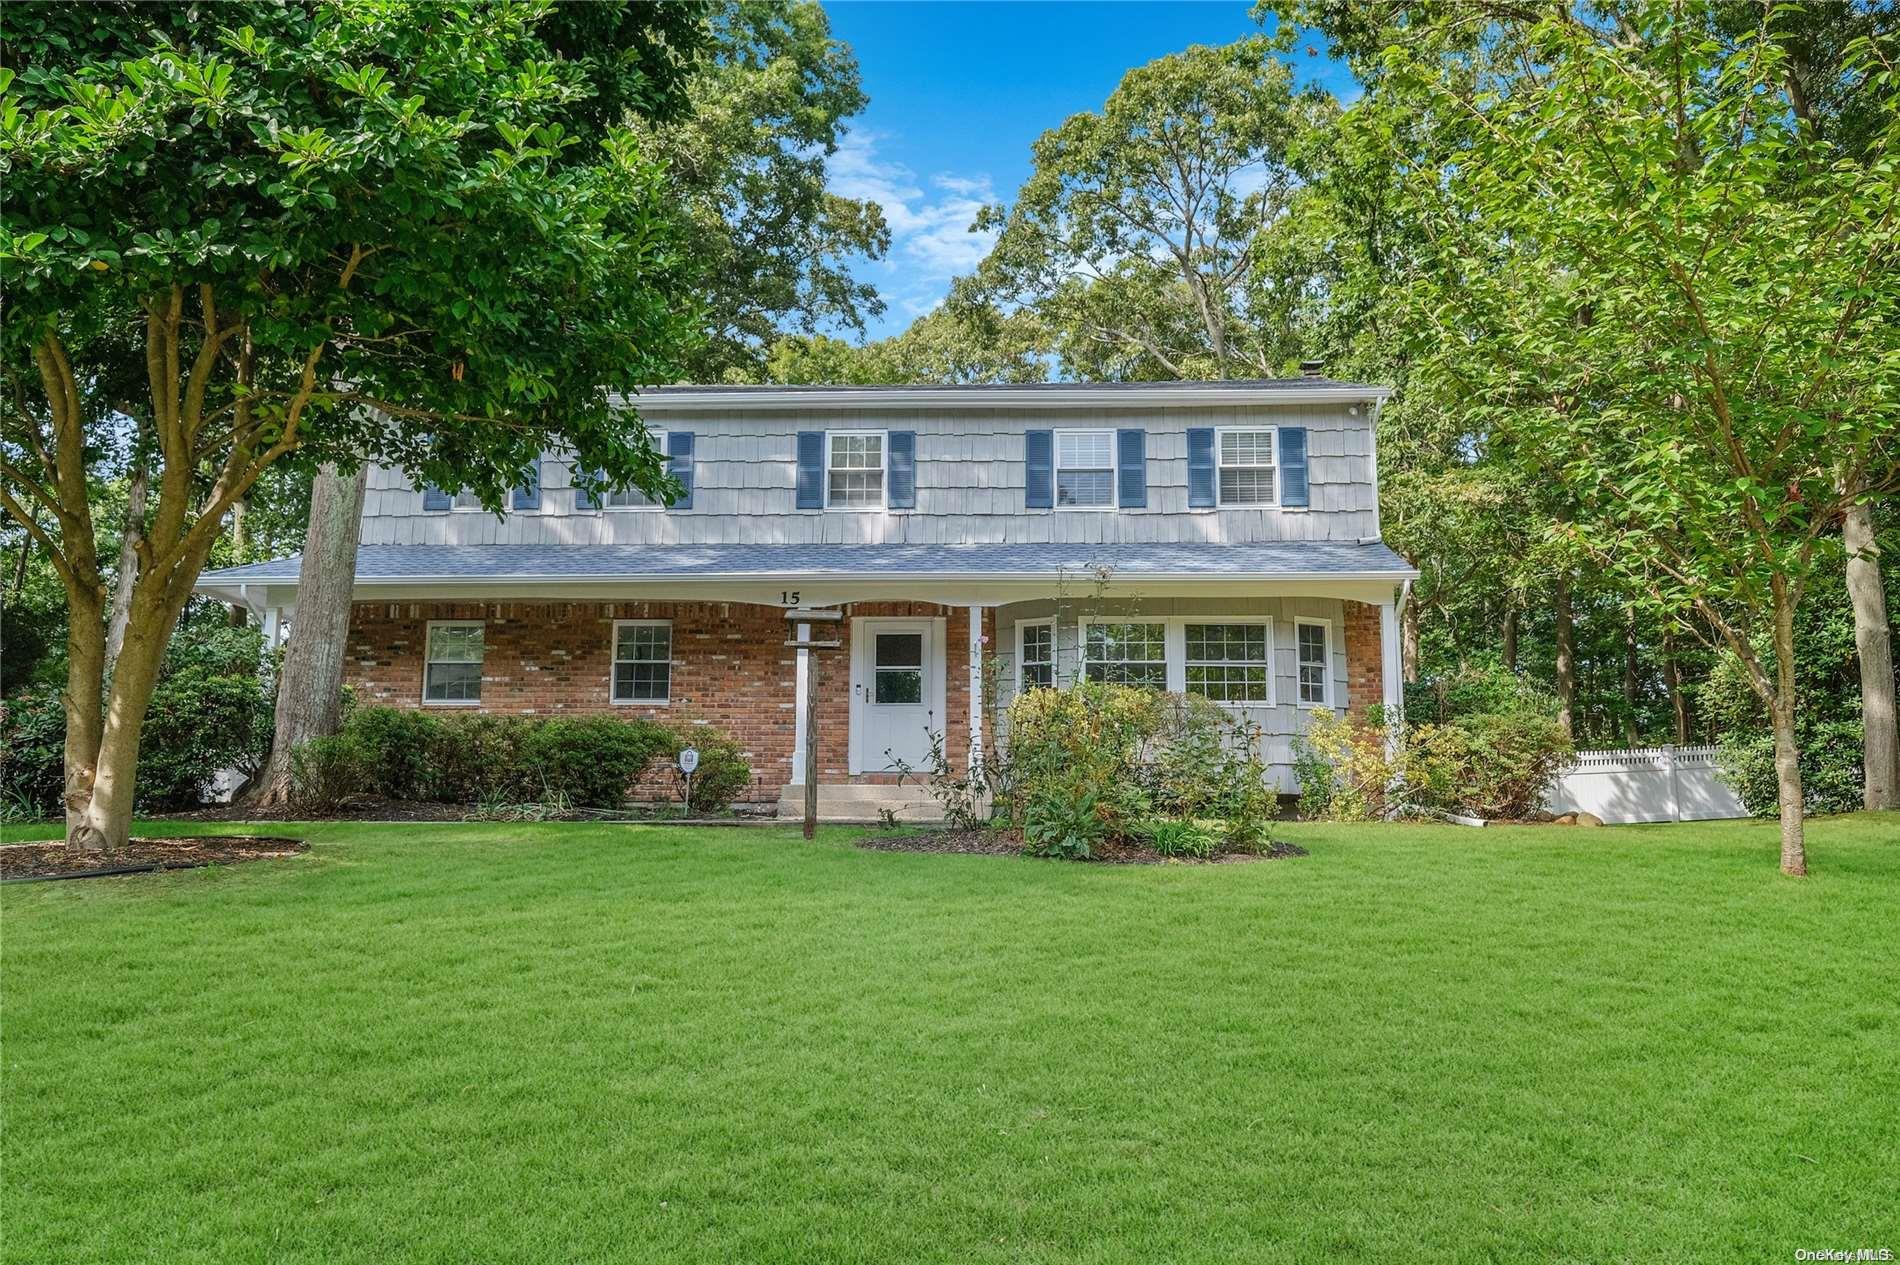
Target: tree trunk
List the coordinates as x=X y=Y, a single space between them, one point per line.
x=85 y=714
x=1408 y=640
x=1511 y=617
x=237 y=615
x=310 y=683
x=1794 y=857
x=128 y=576
x=1566 y=659
x=1873 y=638
x=1678 y=701
x=1631 y=671
x=104 y=819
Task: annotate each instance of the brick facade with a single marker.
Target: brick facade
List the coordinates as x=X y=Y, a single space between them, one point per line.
x=1365 y=665
x=730 y=670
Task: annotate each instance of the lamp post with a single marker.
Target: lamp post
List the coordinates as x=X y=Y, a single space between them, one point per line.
x=804 y=618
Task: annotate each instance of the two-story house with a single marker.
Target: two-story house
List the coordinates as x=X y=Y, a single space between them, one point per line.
x=1214 y=537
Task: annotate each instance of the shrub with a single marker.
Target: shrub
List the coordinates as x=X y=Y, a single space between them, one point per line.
x=1487 y=764
x=1063 y=822
x=572 y=762
x=475 y=758
x=590 y=762
x=1830 y=760
x=209 y=711
x=398 y=748
x=1178 y=837
x=32 y=750
x=330 y=772
x=723 y=771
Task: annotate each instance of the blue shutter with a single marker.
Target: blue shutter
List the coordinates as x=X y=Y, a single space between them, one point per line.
x=435 y=500
x=1039 y=469
x=528 y=495
x=901 y=494
x=1131 y=460
x=811 y=469
x=1200 y=467
x=1293 y=492
x=679 y=464
x=585 y=498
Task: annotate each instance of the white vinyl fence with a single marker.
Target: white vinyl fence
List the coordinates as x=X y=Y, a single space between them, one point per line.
x=1647 y=784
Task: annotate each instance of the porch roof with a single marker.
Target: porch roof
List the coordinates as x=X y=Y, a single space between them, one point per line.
x=501 y=565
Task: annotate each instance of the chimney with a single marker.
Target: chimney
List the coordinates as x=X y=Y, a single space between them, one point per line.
x=1312 y=368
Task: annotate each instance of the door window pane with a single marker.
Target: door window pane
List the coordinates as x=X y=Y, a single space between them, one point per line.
x=898 y=668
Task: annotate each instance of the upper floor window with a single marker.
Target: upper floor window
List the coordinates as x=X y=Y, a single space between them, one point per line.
x=1246 y=464
x=525 y=496
x=1036 y=655
x=1126 y=654
x=854 y=470
x=452 y=668
x=1315 y=679
x=633 y=498
x=1085 y=469
x=643 y=661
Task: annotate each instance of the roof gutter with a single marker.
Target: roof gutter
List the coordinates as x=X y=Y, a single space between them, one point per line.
x=210 y=583
x=992 y=397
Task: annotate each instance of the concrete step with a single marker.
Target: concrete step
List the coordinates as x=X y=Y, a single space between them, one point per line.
x=856 y=802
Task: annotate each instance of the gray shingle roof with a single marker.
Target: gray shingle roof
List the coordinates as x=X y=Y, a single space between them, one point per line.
x=395 y=564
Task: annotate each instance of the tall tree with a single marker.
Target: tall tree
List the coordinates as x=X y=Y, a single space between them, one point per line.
x=771 y=247
x=310 y=677
x=1678 y=301
x=1135 y=234
x=283 y=215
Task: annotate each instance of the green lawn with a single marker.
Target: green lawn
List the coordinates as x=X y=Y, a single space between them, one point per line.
x=558 y=1043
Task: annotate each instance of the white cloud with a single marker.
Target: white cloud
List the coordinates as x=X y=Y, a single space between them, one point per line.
x=929 y=220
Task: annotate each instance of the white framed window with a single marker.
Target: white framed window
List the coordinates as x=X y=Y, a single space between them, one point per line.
x=452 y=663
x=1312 y=639
x=634 y=498
x=1126 y=653
x=1085 y=469
x=1035 y=655
x=854 y=469
x=1246 y=465
x=643 y=661
x=467 y=500
x=1230 y=662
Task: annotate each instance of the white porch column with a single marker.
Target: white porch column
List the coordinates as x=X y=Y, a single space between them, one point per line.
x=976 y=687
x=1389 y=669
x=800 y=724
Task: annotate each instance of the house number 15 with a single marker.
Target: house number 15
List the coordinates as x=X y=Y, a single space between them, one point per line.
x=789 y=597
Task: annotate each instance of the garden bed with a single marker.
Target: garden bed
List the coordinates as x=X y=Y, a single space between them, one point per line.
x=990 y=843
x=30 y=862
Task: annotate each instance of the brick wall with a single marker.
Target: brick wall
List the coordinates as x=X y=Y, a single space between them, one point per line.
x=1365 y=665
x=731 y=669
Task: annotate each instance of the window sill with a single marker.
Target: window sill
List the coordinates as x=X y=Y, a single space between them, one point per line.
x=451 y=702
x=641 y=702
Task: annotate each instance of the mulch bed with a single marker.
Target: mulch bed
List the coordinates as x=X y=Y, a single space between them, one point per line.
x=987 y=843
x=359 y=810
x=27 y=862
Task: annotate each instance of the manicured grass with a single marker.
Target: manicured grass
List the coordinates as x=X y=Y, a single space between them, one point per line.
x=560 y=1043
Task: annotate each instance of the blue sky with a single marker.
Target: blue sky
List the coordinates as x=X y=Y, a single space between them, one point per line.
x=960 y=88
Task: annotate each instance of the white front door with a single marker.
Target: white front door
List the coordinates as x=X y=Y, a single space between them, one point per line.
x=896 y=694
